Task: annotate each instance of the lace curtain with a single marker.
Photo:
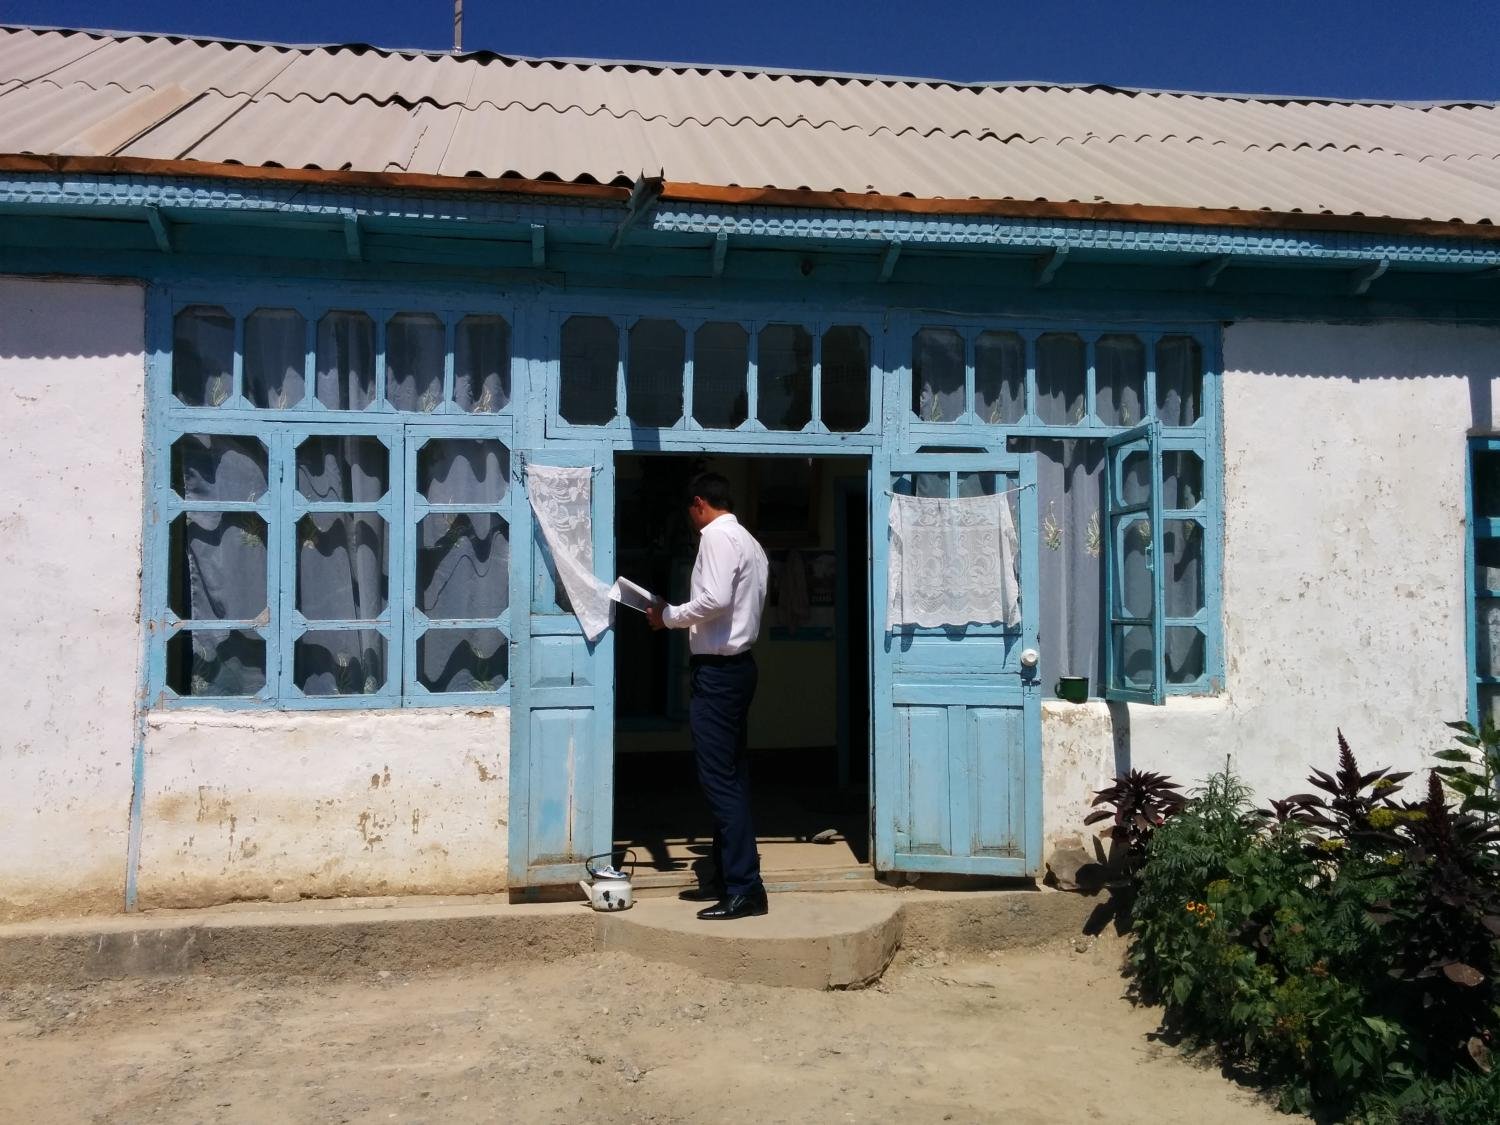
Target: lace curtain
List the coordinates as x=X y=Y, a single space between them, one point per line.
x=952 y=562
x=562 y=499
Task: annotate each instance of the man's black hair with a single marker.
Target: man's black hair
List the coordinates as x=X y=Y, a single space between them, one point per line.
x=714 y=489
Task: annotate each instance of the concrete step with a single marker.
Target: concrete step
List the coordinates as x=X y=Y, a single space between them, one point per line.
x=816 y=941
x=809 y=940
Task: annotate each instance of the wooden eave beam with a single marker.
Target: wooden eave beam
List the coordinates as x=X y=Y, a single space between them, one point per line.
x=1209 y=271
x=682 y=192
x=161 y=230
x=1047 y=268
x=1366 y=276
x=888 y=261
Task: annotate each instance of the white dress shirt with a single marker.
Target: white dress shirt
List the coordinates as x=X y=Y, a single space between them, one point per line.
x=728 y=592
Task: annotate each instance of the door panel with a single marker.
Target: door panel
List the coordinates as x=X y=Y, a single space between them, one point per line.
x=957 y=716
x=561 y=779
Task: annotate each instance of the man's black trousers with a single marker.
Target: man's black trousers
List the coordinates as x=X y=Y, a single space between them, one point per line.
x=718 y=715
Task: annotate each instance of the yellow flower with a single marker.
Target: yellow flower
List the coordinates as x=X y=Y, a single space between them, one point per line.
x=1382 y=818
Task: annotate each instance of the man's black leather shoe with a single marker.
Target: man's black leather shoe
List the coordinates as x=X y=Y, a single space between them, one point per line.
x=737 y=906
x=711 y=893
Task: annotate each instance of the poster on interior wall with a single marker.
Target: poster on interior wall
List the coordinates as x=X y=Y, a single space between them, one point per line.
x=800 y=595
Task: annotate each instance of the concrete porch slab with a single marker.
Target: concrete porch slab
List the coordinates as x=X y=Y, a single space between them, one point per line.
x=809 y=940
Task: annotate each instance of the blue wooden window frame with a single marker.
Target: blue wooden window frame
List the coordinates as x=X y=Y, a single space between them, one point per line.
x=280 y=431
x=687 y=432
x=1483 y=687
x=1202 y=438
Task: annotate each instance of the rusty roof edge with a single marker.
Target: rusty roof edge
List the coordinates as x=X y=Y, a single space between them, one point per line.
x=486 y=56
x=684 y=192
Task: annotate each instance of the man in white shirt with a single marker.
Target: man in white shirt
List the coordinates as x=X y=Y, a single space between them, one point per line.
x=722 y=616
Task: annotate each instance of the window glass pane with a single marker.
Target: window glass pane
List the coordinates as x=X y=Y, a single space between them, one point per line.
x=218 y=467
x=653 y=375
x=1184 y=656
x=216 y=566
x=999 y=378
x=721 y=366
x=784 y=370
x=1179 y=380
x=481 y=364
x=463 y=471
x=348 y=470
x=1489 y=704
x=346 y=361
x=976 y=484
x=1134 y=590
x=343 y=566
x=931 y=484
x=1182 y=479
x=846 y=379
x=216 y=662
x=414 y=362
x=463 y=566
x=1182 y=553
x=275 y=357
x=1487 y=637
x=462 y=660
x=1061 y=378
x=339 y=662
x=1487 y=564
x=1487 y=483
x=1134 y=658
x=1135 y=477
x=937 y=375
x=202 y=355
x=590 y=361
x=1120 y=380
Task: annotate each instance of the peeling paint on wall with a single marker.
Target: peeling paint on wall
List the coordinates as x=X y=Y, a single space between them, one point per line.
x=339 y=803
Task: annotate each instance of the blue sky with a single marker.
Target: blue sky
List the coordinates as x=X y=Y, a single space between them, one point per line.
x=1435 y=50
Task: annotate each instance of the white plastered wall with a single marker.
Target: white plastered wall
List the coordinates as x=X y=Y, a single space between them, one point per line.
x=1343 y=583
x=289 y=804
x=71 y=443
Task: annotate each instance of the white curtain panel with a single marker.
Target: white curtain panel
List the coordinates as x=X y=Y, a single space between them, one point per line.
x=952 y=562
x=562 y=499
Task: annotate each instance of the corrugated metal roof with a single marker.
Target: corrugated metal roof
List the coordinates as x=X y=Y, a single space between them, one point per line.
x=151 y=97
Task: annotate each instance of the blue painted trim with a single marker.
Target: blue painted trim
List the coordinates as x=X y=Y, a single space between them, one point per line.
x=1471 y=607
x=176 y=198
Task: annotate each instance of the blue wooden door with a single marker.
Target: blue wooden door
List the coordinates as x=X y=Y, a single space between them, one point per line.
x=561 y=762
x=957 y=714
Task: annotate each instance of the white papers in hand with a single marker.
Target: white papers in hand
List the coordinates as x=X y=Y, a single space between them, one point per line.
x=636 y=597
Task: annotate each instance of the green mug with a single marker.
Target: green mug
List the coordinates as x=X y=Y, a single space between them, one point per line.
x=1075 y=689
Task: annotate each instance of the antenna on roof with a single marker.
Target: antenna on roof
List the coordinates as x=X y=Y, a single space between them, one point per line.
x=458 y=26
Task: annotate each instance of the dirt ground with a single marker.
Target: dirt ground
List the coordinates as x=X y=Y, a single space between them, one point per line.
x=1025 y=1036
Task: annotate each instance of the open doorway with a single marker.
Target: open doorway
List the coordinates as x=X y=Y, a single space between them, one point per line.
x=809 y=725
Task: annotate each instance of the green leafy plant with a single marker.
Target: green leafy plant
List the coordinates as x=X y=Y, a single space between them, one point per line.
x=1473 y=772
x=1341 y=947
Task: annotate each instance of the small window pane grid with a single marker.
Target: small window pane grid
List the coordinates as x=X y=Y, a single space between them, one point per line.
x=666 y=375
x=977 y=385
x=329 y=528
x=312 y=359
x=1483 y=574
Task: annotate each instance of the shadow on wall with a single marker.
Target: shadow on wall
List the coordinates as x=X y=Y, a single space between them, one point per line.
x=1361 y=352
x=41 y=321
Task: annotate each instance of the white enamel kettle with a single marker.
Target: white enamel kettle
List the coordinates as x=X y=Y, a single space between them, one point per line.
x=610 y=887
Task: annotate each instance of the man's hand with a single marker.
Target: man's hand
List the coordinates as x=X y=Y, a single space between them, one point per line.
x=653 y=617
